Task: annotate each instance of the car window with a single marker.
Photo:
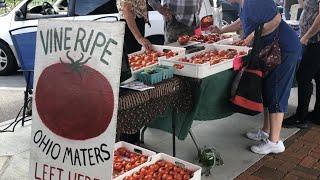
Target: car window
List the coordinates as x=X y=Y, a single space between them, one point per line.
x=46 y=8
x=90 y=7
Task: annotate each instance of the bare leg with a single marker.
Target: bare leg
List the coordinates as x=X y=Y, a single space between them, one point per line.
x=266 y=121
x=275 y=126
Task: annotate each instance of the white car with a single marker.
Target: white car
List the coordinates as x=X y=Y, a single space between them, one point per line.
x=19 y=26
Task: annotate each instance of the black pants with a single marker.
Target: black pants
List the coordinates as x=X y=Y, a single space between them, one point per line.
x=130 y=42
x=131 y=45
x=309 y=69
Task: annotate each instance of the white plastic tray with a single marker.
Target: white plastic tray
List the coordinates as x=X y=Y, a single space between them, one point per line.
x=200 y=71
x=136 y=149
x=158 y=48
x=184 y=164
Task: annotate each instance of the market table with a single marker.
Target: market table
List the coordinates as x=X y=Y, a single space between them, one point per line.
x=193 y=99
x=137 y=109
x=173 y=105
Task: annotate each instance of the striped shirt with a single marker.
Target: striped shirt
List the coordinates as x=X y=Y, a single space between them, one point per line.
x=185 y=11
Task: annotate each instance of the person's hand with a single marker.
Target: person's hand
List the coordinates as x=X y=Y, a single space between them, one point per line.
x=248 y=40
x=166 y=13
x=145 y=43
x=304 y=40
x=215 y=29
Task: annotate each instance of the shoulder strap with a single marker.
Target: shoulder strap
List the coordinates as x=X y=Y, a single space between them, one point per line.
x=257 y=42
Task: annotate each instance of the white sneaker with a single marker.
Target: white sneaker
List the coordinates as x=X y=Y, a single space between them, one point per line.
x=267 y=147
x=258 y=136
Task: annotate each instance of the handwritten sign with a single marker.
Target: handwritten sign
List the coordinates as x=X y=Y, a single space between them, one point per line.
x=77 y=77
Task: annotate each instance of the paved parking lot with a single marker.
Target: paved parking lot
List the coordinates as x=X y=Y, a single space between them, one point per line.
x=11 y=96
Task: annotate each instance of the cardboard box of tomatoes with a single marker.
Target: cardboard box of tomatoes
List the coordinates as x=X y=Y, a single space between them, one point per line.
x=127 y=157
x=212 y=60
x=163 y=166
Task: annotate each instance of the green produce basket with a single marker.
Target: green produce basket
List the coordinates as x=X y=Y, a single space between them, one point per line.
x=151 y=76
x=167 y=72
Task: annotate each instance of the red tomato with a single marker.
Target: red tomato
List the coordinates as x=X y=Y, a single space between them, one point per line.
x=128 y=167
x=75 y=102
x=143 y=159
x=186 y=176
x=149 y=171
x=117 y=166
x=143 y=170
x=147 y=177
x=122 y=150
x=137 y=175
x=163 y=170
x=161 y=163
x=167 y=177
x=183 y=40
x=177 y=176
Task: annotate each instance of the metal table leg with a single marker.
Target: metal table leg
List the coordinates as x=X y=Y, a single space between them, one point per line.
x=174 y=115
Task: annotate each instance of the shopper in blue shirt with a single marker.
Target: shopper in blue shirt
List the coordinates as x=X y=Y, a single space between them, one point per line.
x=277 y=84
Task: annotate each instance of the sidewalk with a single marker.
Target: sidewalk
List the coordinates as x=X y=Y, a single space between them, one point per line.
x=301 y=160
x=14 y=152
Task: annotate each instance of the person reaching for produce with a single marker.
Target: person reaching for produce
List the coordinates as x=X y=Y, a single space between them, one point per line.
x=135 y=14
x=181 y=17
x=278 y=82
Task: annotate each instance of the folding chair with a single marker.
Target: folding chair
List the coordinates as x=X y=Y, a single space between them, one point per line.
x=24 y=40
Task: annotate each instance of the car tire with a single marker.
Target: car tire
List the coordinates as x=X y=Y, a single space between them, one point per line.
x=8 y=63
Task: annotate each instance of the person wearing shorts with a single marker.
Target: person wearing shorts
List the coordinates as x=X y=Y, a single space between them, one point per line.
x=277 y=84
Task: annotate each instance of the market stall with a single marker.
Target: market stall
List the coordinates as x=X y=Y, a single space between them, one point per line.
x=205 y=97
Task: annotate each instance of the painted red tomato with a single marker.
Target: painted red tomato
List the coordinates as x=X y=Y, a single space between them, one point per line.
x=74 y=101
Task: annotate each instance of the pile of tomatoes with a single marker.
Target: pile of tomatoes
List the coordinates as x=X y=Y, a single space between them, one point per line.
x=161 y=170
x=209 y=39
x=125 y=160
x=145 y=59
x=239 y=43
x=213 y=57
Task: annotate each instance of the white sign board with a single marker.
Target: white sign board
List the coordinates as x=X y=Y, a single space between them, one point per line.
x=76 y=86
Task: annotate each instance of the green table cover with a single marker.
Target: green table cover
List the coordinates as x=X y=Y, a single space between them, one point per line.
x=211 y=101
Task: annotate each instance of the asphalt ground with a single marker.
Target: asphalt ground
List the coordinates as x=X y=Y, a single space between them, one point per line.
x=11 y=96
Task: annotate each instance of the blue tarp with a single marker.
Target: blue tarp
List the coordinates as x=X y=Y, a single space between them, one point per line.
x=25 y=45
